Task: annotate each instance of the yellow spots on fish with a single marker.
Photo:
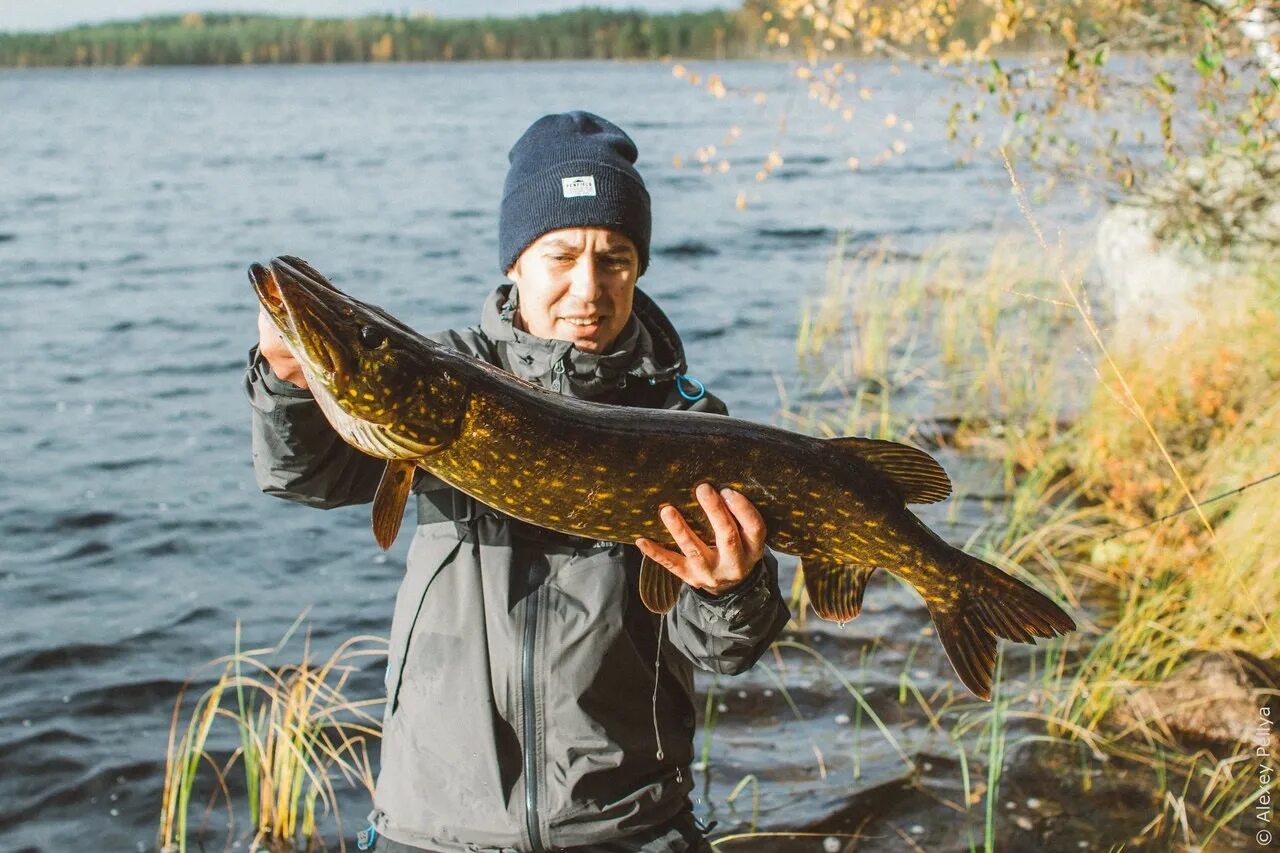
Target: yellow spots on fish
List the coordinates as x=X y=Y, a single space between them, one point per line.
x=904 y=546
x=880 y=540
x=602 y=469
x=517 y=482
x=477 y=464
x=553 y=518
x=844 y=513
x=514 y=457
x=603 y=496
x=815 y=495
x=351 y=392
x=826 y=525
x=556 y=484
x=493 y=481
x=870 y=525
x=580 y=491
x=604 y=510
x=545 y=501
x=368 y=397
x=799 y=513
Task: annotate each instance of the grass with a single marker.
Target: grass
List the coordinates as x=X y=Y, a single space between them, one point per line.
x=1005 y=361
x=295 y=731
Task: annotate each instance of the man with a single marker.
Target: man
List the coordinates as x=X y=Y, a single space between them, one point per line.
x=533 y=703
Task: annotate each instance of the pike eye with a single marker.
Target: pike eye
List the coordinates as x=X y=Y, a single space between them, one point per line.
x=372 y=337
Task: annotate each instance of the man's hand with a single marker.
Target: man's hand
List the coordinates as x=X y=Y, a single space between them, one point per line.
x=740 y=536
x=271 y=347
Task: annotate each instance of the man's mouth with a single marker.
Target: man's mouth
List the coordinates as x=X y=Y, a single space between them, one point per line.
x=582 y=321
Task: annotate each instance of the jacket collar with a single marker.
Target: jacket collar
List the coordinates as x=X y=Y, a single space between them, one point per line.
x=648 y=349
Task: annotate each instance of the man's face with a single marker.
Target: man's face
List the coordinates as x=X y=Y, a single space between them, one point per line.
x=577 y=284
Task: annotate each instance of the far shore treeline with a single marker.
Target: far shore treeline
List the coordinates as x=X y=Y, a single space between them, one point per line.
x=237 y=39
x=584 y=33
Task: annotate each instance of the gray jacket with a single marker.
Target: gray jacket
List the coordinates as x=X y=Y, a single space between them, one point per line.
x=522 y=711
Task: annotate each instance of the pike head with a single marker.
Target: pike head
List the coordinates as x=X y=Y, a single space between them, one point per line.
x=385 y=389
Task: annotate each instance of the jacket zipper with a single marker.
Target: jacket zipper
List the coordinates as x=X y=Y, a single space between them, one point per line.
x=558 y=370
x=530 y=713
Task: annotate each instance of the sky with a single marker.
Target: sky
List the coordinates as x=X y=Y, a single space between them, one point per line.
x=44 y=15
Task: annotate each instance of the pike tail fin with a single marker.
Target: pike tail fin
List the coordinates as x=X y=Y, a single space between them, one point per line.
x=990 y=604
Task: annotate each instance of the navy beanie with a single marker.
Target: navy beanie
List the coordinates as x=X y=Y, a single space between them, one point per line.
x=572 y=170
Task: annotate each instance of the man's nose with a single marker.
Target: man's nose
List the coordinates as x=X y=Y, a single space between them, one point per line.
x=585 y=283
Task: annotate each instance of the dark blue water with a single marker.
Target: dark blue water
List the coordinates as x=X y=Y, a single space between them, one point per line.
x=131 y=203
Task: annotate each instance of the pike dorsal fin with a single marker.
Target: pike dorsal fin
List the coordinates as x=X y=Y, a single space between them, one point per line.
x=388 y=503
x=835 y=591
x=659 y=589
x=915 y=472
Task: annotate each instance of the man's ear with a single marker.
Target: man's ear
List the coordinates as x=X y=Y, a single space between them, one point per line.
x=513 y=274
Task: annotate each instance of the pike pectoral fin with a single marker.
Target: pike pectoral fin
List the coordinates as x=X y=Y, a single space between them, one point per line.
x=835 y=591
x=389 y=501
x=915 y=472
x=659 y=589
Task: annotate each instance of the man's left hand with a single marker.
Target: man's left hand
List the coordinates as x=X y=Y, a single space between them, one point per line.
x=716 y=569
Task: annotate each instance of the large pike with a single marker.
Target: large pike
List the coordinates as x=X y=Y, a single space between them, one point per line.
x=604 y=471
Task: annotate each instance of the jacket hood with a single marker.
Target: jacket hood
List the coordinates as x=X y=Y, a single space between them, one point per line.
x=648 y=349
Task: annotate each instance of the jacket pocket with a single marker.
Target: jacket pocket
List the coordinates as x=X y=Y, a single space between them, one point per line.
x=433 y=547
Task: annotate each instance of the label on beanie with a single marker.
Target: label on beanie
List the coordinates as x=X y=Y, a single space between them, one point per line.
x=579 y=186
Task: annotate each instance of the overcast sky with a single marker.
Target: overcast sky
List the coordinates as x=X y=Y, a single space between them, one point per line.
x=44 y=15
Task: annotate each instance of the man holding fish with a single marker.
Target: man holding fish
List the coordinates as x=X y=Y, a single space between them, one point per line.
x=534 y=701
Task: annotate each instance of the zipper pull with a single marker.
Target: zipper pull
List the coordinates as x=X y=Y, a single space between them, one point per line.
x=558 y=370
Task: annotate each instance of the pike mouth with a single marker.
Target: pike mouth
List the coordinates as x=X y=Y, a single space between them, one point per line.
x=290 y=307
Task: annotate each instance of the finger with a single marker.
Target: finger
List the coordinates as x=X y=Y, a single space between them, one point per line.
x=672 y=561
x=268 y=332
x=728 y=537
x=689 y=543
x=749 y=520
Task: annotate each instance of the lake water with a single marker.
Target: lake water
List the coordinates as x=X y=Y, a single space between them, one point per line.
x=131 y=203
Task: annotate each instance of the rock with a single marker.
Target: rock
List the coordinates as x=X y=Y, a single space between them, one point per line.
x=1160 y=255
x=1215 y=701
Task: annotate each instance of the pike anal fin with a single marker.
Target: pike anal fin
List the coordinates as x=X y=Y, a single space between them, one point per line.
x=835 y=590
x=659 y=589
x=389 y=501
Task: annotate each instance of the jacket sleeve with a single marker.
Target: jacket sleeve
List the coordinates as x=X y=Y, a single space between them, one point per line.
x=296 y=453
x=728 y=633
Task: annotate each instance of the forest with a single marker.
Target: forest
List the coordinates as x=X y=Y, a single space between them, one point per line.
x=236 y=39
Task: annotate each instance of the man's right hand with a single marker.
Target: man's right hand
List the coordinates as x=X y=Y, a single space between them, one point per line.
x=271 y=346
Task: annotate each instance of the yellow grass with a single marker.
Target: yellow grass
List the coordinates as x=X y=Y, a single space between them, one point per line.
x=296 y=732
x=1006 y=360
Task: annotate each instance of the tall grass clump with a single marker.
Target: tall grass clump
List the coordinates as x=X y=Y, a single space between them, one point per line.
x=1004 y=364
x=295 y=731
x=1182 y=588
